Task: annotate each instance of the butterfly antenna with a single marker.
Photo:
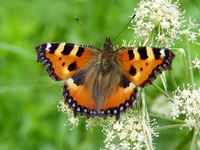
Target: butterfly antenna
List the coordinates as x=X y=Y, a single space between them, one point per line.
x=87 y=29
x=124 y=27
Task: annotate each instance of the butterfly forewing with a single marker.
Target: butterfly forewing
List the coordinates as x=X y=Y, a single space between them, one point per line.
x=62 y=60
x=143 y=64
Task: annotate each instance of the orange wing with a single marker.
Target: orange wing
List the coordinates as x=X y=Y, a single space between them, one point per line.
x=62 y=60
x=143 y=64
x=119 y=101
x=80 y=99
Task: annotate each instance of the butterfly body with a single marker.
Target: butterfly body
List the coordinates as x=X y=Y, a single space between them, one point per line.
x=102 y=82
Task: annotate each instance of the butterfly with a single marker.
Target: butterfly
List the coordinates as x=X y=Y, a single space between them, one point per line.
x=102 y=82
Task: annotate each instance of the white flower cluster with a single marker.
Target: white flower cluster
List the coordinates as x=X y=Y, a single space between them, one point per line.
x=161 y=16
x=196 y=63
x=192 y=31
x=128 y=133
x=186 y=102
x=71 y=121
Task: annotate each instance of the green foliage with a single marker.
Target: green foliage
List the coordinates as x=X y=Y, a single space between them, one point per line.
x=29 y=118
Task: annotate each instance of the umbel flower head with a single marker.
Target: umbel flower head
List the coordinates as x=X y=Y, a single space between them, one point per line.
x=129 y=133
x=161 y=16
x=186 y=102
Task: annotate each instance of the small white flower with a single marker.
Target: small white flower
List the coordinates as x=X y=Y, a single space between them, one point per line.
x=186 y=102
x=165 y=24
x=118 y=126
x=111 y=146
x=161 y=37
x=175 y=112
x=123 y=135
x=125 y=145
x=73 y=121
x=62 y=107
x=192 y=23
x=109 y=136
x=190 y=122
x=192 y=37
x=138 y=146
x=196 y=63
x=186 y=93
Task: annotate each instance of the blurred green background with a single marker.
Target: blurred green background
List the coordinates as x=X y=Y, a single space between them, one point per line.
x=29 y=118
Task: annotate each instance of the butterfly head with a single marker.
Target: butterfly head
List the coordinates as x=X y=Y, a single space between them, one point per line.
x=108 y=46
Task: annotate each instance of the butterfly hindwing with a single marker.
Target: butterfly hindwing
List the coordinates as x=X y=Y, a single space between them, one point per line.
x=143 y=64
x=121 y=99
x=62 y=60
x=80 y=98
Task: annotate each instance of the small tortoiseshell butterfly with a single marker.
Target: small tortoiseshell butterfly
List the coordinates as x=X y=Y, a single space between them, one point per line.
x=102 y=82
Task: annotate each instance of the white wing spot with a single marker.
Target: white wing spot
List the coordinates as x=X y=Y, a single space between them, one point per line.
x=162 y=52
x=48 y=45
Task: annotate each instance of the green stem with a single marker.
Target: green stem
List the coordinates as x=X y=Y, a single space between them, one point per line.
x=173 y=80
x=178 y=121
x=190 y=62
x=185 y=140
x=186 y=67
x=194 y=139
x=161 y=90
x=168 y=127
x=145 y=120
